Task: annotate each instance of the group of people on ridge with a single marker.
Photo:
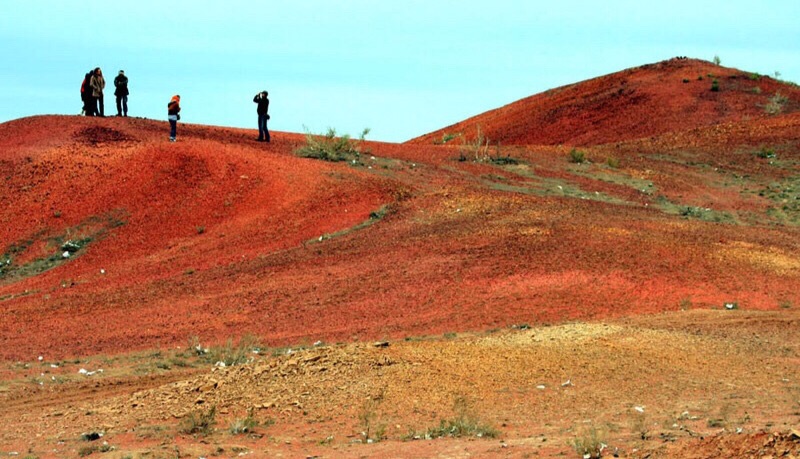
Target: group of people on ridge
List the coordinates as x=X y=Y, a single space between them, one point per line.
x=92 y=93
x=92 y=97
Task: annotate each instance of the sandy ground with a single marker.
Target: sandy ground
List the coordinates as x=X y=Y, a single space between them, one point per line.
x=650 y=386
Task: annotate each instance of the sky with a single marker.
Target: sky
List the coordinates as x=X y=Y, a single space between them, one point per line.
x=400 y=68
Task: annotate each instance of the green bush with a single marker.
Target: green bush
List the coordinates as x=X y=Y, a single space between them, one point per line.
x=766 y=153
x=577 y=156
x=715 y=85
x=330 y=147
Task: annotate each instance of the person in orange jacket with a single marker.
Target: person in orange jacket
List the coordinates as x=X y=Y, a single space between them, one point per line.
x=173 y=115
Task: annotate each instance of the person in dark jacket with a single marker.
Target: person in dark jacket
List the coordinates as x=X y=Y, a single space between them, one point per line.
x=86 y=94
x=121 y=91
x=263 y=108
x=98 y=83
x=173 y=115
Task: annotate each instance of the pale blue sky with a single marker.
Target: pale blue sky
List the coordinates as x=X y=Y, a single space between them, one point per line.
x=401 y=68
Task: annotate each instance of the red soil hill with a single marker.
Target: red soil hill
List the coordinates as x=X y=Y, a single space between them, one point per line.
x=218 y=236
x=673 y=95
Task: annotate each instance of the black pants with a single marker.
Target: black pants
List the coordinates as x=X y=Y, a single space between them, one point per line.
x=101 y=110
x=89 y=105
x=122 y=105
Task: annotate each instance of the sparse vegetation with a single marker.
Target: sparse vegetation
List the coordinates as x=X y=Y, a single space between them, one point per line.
x=330 y=147
x=612 y=162
x=243 y=425
x=577 y=156
x=231 y=354
x=715 y=85
x=59 y=247
x=371 y=429
x=639 y=425
x=717 y=60
x=776 y=104
x=464 y=424
x=785 y=195
x=199 y=422
x=477 y=148
x=590 y=443
x=766 y=153
x=446 y=138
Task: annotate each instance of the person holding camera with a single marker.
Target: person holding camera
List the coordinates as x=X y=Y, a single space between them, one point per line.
x=263 y=108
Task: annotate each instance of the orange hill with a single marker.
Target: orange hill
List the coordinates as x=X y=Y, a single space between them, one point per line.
x=673 y=95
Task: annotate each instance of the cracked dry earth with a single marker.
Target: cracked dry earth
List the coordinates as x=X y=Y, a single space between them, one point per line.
x=700 y=383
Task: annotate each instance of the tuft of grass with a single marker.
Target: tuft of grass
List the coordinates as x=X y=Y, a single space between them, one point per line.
x=330 y=147
x=371 y=429
x=464 y=424
x=590 y=443
x=199 y=422
x=577 y=156
x=476 y=148
x=612 y=162
x=243 y=425
x=715 y=85
x=776 y=104
x=766 y=153
x=87 y=450
x=232 y=354
x=446 y=138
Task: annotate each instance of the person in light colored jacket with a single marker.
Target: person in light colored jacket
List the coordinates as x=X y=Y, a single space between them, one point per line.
x=98 y=83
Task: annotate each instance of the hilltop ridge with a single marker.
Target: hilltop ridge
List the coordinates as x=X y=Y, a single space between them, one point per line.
x=668 y=96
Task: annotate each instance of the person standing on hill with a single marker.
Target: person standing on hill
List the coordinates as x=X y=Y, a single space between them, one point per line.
x=121 y=91
x=263 y=108
x=98 y=83
x=86 y=94
x=173 y=115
